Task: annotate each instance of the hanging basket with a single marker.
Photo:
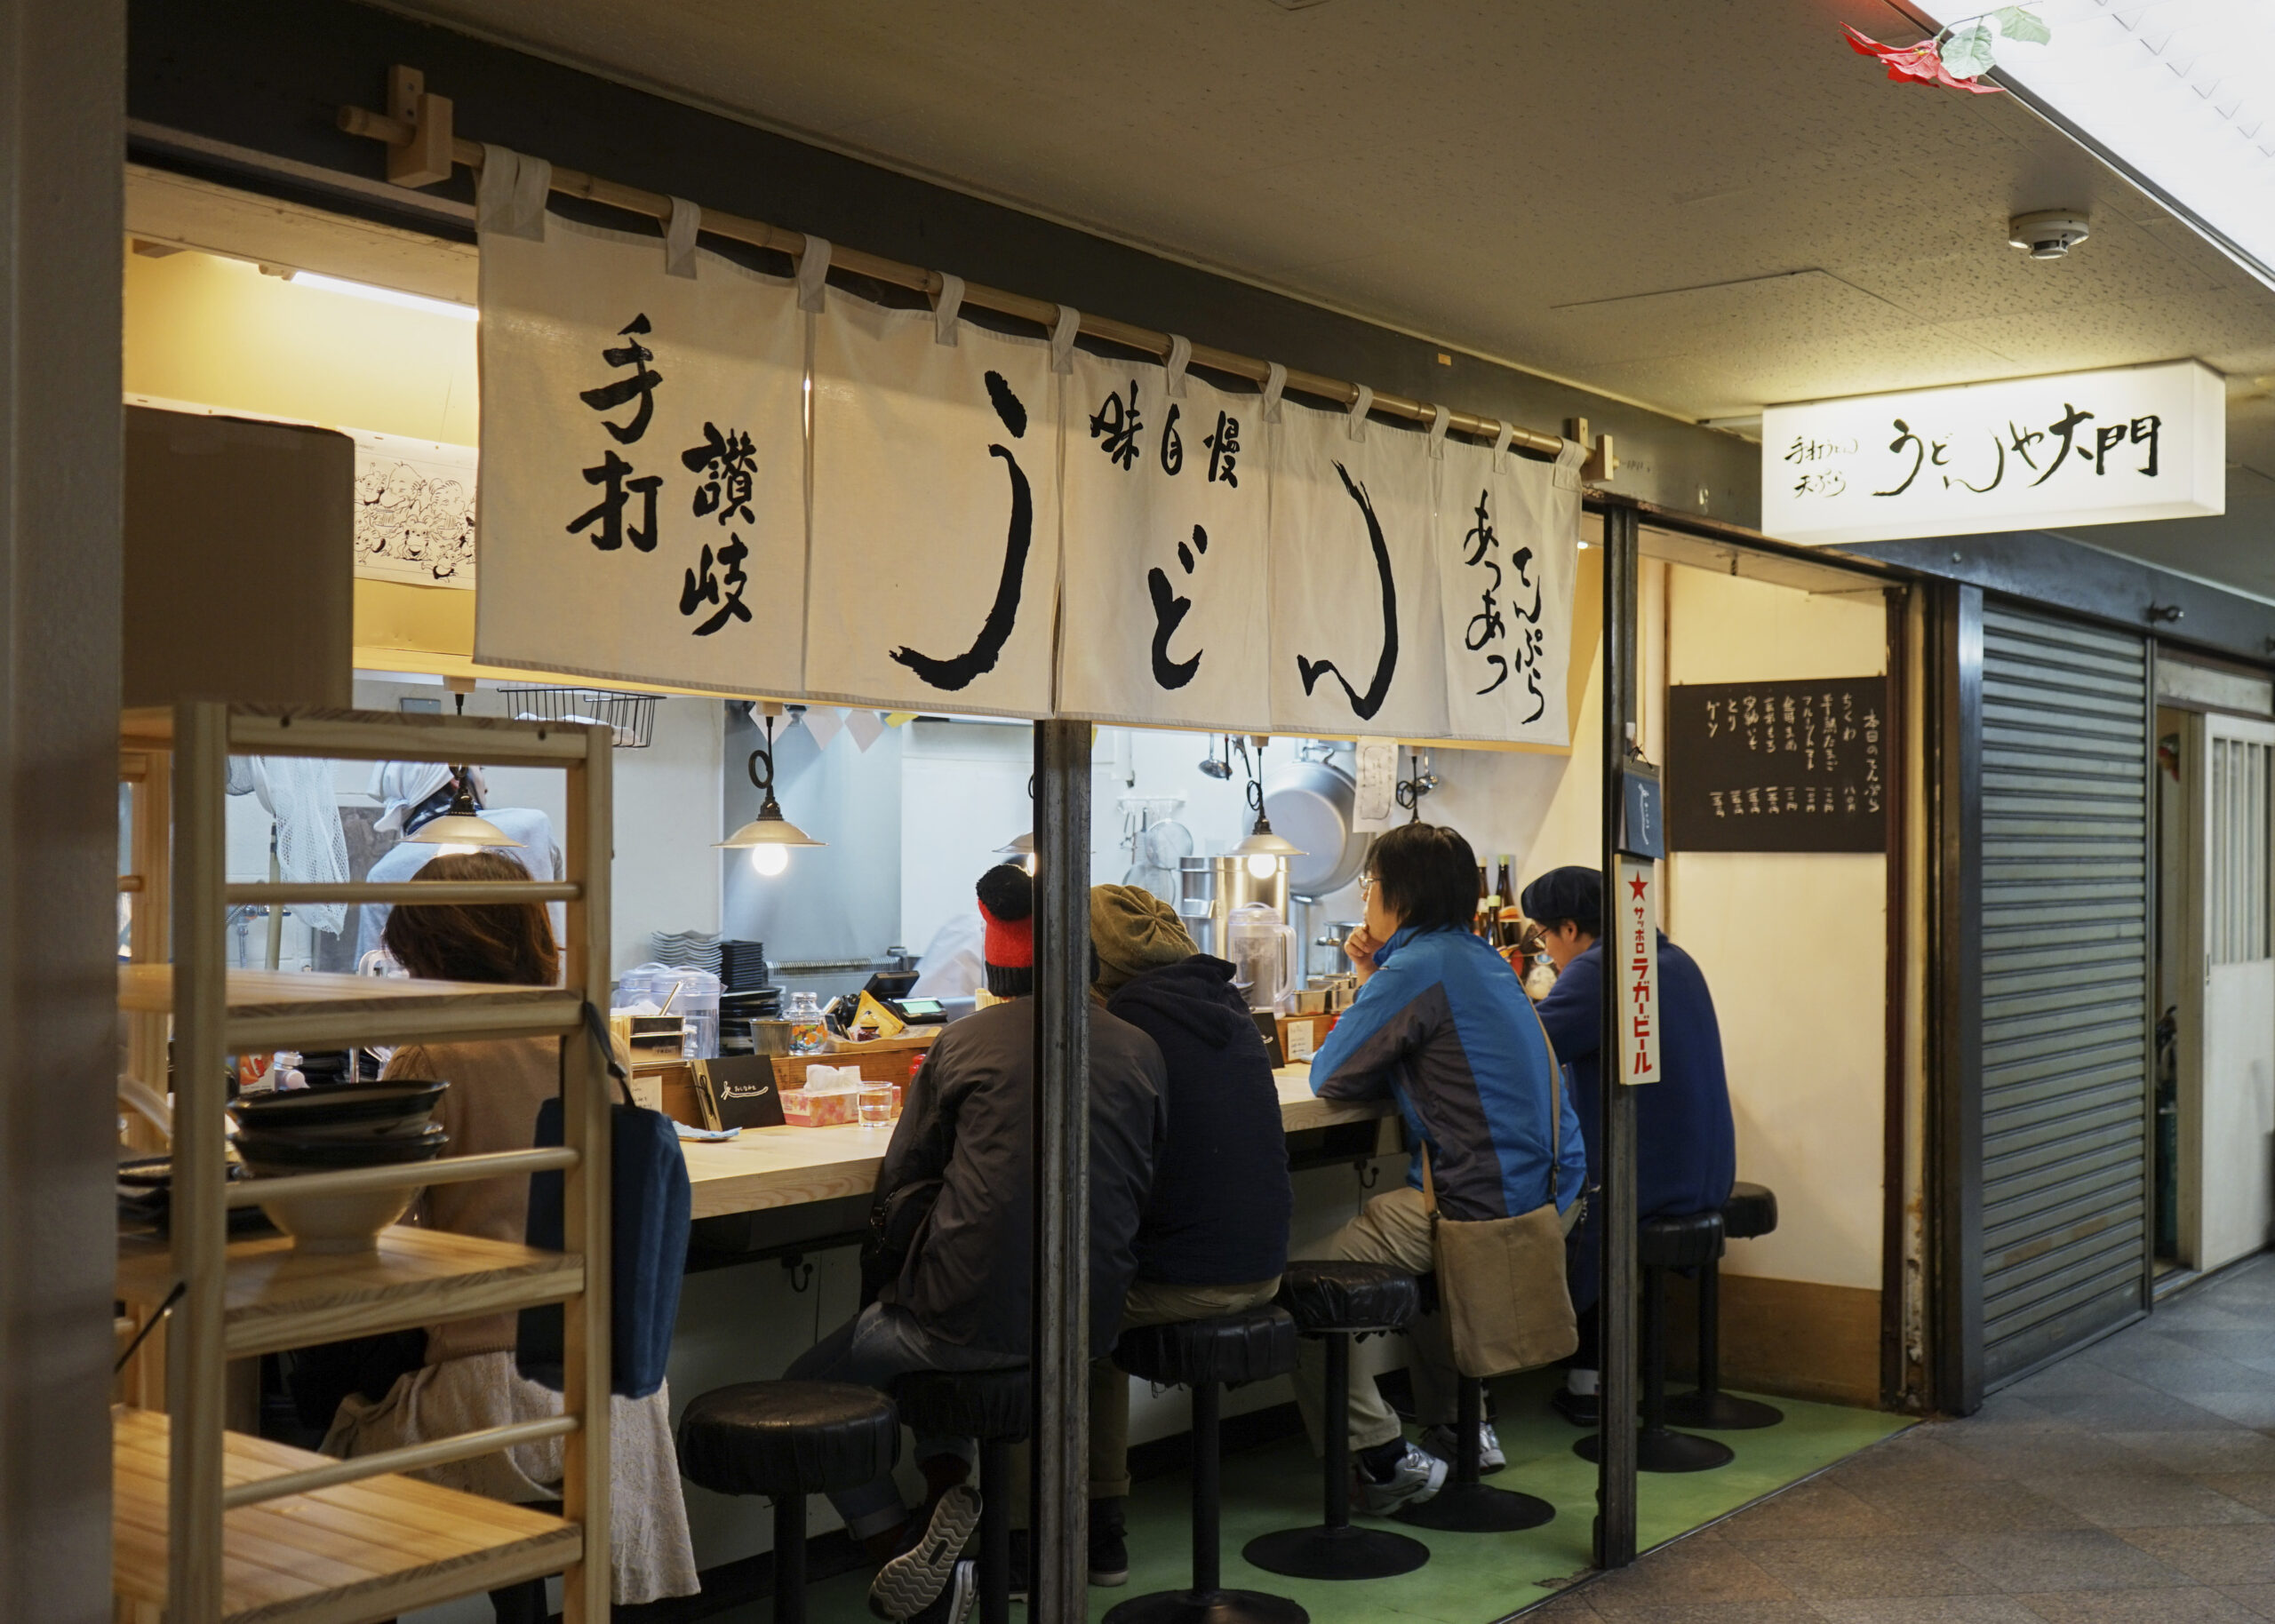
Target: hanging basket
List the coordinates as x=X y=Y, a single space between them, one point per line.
x=631 y=718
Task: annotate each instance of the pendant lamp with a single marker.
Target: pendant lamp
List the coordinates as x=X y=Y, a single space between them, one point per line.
x=769 y=836
x=462 y=824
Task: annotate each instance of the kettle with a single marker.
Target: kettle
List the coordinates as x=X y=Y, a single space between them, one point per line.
x=1263 y=950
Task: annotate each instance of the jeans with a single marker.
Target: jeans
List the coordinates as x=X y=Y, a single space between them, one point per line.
x=876 y=1347
x=1149 y=1303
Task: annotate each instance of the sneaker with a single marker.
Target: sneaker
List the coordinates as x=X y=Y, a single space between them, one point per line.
x=1580 y=1409
x=952 y=1605
x=1440 y=1442
x=1109 y=1545
x=912 y=1581
x=1414 y=1479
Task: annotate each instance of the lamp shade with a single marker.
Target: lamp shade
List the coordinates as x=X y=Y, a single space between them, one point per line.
x=462 y=824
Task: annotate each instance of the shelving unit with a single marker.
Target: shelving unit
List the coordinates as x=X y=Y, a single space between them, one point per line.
x=212 y=1525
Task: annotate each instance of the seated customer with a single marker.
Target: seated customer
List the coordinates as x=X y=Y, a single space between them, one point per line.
x=1214 y=1236
x=963 y=1297
x=1442 y=1026
x=1686 y=1149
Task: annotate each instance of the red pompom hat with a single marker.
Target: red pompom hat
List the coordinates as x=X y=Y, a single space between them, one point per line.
x=1007 y=907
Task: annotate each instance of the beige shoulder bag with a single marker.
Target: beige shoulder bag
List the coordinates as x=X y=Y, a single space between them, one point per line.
x=1501 y=1281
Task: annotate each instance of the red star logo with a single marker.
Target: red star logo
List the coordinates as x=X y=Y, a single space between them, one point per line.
x=1636 y=885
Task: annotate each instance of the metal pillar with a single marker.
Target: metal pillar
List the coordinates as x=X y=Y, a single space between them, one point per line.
x=1059 y=1543
x=1615 y=1529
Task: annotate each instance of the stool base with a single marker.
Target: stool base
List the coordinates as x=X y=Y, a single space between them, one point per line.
x=1477 y=1507
x=1720 y=1412
x=1335 y=1553
x=1207 y=1607
x=1657 y=1449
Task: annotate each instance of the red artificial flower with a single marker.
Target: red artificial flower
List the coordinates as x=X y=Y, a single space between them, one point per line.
x=1919 y=64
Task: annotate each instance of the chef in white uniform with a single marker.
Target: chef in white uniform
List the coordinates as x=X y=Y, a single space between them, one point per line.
x=413 y=794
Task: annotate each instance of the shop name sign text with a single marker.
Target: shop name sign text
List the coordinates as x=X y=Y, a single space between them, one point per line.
x=2080 y=448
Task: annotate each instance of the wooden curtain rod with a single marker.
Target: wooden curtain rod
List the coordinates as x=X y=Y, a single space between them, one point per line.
x=421 y=149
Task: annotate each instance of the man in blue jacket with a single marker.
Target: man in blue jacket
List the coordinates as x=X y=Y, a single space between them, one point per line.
x=1444 y=1027
x=1685 y=1148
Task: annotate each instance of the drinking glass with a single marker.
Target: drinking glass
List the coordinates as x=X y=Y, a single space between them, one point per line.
x=876 y=1104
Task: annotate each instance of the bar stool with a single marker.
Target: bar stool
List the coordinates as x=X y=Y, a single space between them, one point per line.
x=1465 y=1505
x=1208 y=1354
x=1751 y=1210
x=788 y=1440
x=991 y=1406
x=1339 y=1301
x=1661 y=1243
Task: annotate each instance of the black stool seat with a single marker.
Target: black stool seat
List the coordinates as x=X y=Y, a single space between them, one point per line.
x=1751 y=1210
x=1684 y=1242
x=787 y=1437
x=1339 y=1294
x=977 y=1403
x=1208 y=1355
x=993 y=1408
x=1337 y=1300
x=1225 y=1351
x=788 y=1440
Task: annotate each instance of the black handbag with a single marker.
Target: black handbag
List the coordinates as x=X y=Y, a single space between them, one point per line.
x=895 y=1222
x=650 y=1205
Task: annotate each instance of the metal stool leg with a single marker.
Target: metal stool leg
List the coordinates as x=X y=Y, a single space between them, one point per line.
x=1336 y=1549
x=995 y=1532
x=1464 y=1505
x=1657 y=1447
x=1207 y=1602
x=1710 y=1406
x=790 y=1559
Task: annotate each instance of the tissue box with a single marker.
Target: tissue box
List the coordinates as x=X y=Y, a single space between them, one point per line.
x=829 y=1098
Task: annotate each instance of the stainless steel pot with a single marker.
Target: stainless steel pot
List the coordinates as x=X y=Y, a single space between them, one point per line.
x=1310 y=803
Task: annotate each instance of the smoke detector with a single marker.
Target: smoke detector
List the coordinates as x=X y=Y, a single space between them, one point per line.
x=2047 y=233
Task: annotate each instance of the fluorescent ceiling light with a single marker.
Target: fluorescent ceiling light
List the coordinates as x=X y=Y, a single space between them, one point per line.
x=385 y=296
x=2179 y=92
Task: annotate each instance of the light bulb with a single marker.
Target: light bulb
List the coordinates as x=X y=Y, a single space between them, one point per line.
x=456 y=851
x=1028 y=864
x=770 y=860
x=1263 y=865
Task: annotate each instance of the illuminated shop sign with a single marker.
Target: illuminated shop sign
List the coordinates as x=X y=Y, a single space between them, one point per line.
x=2035 y=453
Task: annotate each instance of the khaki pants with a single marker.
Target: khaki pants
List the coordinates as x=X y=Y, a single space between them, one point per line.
x=1150 y=1302
x=1391 y=1228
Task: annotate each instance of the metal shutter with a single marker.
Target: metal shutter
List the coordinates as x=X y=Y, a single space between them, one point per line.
x=2065 y=879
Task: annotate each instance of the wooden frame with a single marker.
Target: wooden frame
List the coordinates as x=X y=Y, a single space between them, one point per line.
x=366 y=1543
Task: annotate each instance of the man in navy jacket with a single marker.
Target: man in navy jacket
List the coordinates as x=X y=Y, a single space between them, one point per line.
x=1685 y=1150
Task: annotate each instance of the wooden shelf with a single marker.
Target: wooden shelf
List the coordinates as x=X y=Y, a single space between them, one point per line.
x=282 y=1009
x=372 y=736
x=277 y=1298
x=364 y=1550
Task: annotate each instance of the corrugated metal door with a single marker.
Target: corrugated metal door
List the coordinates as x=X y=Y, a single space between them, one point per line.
x=2065 y=902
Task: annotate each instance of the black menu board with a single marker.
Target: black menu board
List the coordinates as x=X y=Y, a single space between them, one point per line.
x=1778 y=765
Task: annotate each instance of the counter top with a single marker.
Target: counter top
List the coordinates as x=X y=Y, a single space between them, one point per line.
x=786 y=1166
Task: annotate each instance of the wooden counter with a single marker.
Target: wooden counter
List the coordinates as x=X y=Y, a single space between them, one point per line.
x=786 y=1167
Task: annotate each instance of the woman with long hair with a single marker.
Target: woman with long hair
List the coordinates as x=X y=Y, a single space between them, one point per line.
x=468 y=1380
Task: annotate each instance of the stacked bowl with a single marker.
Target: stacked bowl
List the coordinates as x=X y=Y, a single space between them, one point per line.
x=327 y=1130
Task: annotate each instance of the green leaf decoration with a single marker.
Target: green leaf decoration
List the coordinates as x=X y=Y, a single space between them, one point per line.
x=2017 y=24
x=1967 y=54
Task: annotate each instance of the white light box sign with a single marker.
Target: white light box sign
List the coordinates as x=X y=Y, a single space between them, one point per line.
x=2034 y=453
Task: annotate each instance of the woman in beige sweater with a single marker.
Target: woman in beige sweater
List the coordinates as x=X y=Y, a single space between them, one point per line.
x=469 y=1380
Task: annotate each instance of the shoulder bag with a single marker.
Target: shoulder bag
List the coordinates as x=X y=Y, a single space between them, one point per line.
x=1501 y=1281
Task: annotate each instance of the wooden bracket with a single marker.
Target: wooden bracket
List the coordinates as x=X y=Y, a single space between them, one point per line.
x=1603 y=461
x=423 y=156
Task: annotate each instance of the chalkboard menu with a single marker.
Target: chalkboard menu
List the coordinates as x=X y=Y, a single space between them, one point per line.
x=1778 y=765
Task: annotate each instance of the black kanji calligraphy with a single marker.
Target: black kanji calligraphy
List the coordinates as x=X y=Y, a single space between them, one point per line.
x=1172 y=443
x=728 y=466
x=1224 y=449
x=1364 y=706
x=1903 y=437
x=1169 y=611
x=706 y=590
x=641 y=384
x=961 y=671
x=608 y=512
x=1118 y=425
x=2067 y=426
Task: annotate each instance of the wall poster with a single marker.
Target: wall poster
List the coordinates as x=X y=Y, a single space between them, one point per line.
x=643 y=510
x=1167 y=536
x=1788 y=765
x=414 y=510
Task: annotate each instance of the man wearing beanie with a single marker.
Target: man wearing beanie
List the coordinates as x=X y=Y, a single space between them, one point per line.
x=1214 y=1236
x=1686 y=1151
x=962 y=1298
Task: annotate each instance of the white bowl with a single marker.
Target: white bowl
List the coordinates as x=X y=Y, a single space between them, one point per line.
x=341 y=1223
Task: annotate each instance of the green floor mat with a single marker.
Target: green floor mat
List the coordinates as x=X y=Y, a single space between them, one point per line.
x=1470 y=1579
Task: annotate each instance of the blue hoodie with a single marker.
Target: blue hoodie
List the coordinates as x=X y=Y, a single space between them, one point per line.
x=1444 y=1027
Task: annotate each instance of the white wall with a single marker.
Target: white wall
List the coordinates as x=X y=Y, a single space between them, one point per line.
x=963 y=797
x=1793 y=945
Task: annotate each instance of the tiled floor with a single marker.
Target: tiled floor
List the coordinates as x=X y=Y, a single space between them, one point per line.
x=2135 y=1481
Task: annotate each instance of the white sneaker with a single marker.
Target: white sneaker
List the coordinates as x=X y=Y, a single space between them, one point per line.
x=927 y=1569
x=1439 y=1441
x=1417 y=1476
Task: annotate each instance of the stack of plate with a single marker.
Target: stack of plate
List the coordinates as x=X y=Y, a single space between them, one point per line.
x=323 y=1130
x=742 y=965
x=686 y=950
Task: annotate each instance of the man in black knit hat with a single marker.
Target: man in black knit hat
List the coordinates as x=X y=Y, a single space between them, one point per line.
x=963 y=1299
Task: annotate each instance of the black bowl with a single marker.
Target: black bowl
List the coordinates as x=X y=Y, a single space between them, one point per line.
x=347 y=1111
x=271 y=1155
